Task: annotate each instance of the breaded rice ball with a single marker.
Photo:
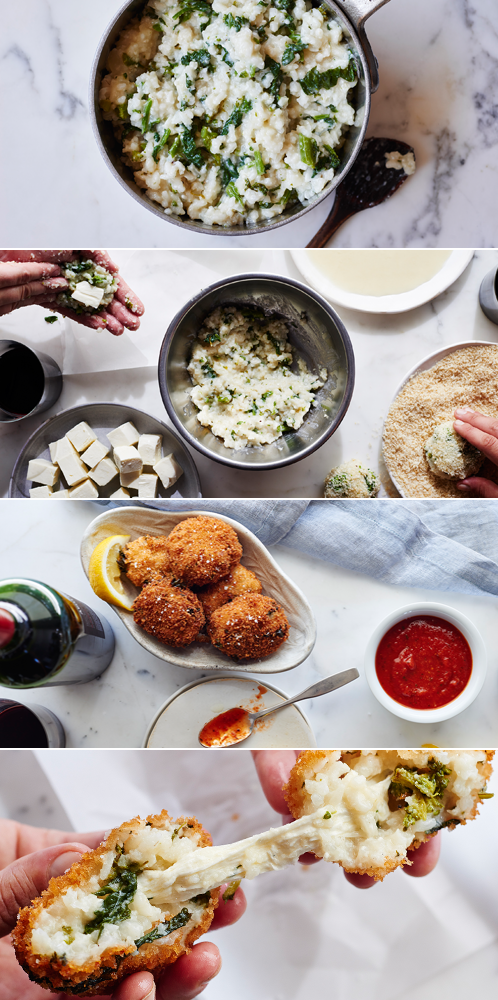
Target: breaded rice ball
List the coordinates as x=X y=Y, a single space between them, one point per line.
x=172 y=614
x=249 y=627
x=201 y=550
x=352 y=479
x=145 y=559
x=239 y=581
x=449 y=455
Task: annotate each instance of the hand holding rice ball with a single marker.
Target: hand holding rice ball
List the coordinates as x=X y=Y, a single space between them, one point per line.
x=449 y=455
x=482 y=433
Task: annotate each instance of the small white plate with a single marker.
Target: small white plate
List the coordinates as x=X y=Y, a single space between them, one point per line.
x=180 y=720
x=452 y=268
x=137 y=521
x=423 y=366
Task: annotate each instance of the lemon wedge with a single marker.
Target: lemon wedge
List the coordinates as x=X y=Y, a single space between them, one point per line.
x=104 y=573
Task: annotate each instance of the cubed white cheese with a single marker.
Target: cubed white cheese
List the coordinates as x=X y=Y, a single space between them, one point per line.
x=70 y=463
x=41 y=491
x=84 y=491
x=41 y=471
x=128 y=459
x=124 y=434
x=128 y=479
x=146 y=484
x=81 y=436
x=53 y=446
x=60 y=494
x=103 y=472
x=88 y=294
x=94 y=454
x=168 y=470
x=119 y=494
x=149 y=446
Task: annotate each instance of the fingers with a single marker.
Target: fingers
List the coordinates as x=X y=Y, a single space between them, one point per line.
x=481 y=431
x=360 y=881
x=273 y=768
x=102 y=258
x=424 y=858
x=123 y=315
x=13 y=275
x=127 y=296
x=25 y=879
x=47 y=256
x=478 y=487
x=229 y=911
x=187 y=977
x=138 y=986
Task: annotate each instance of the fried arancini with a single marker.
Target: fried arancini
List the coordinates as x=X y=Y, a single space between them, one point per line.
x=53 y=939
x=145 y=559
x=173 y=614
x=239 y=580
x=250 y=626
x=201 y=550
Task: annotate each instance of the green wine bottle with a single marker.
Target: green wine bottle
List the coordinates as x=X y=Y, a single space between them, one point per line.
x=48 y=639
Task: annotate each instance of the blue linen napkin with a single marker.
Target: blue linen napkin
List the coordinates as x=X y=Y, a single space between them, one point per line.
x=437 y=544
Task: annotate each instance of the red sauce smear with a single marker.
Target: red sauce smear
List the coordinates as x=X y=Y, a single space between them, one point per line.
x=423 y=662
x=225 y=729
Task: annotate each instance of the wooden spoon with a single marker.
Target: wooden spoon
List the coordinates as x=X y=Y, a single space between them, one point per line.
x=368 y=183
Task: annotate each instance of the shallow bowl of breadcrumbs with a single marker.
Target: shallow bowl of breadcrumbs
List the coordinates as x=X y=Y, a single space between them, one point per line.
x=460 y=375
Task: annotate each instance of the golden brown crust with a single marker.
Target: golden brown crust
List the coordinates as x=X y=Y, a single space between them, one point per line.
x=239 y=580
x=146 y=558
x=173 y=614
x=54 y=974
x=249 y=627
x=202 y=550
x=309 y=760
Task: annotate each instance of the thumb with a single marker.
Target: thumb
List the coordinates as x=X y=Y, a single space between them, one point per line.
x=26 y=878
x=478 y=487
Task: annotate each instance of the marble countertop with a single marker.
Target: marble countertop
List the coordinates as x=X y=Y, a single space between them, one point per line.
x=437 y=91
x=386 y=347
x=42 y=542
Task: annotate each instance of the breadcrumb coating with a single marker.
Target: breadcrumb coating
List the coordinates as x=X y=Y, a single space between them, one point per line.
x=239 y=580
x=98 y=976
x=201 y=550
x=250 y=626
x=146 y=559
x=173 y=614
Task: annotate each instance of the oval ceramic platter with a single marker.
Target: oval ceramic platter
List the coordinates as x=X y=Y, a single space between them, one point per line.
x=423 y=366
x=137 y=521
x=452 y=268
x=102 y=418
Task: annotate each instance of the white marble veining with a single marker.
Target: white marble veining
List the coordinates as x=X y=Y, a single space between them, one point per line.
x=41 y=540
x=385 y=347
x=438 y=71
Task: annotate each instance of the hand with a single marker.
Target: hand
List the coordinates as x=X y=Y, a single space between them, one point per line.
x=274 y=767
x=24 y=875
x=33 y=277
x=482 y=432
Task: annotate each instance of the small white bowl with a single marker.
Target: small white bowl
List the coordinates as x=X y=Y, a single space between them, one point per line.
x=476 y=680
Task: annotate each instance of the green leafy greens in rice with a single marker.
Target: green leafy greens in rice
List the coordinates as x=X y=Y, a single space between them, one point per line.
x=83 y=273
x=244 y=387
x=229 y=112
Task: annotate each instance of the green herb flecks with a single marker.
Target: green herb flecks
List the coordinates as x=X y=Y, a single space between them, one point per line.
x=162 y=930
x=118 y=894
x=208 y=369
x=327 y=160
x=235 y=22
x=203 y=899
x=234 y=192
x=68 y=934
x=308 y=150
x=200 y=56
x=314 y=81
x=51 y=319
x=211 y=338
x=190 y=7
x=235 y=118
x=146 y=116
x=161 y=144
x=292 y=50
x=259 y=163
x=420 y=791
x=231 y=890
x=277 y=77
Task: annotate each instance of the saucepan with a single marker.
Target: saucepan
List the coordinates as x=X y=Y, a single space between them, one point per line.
x=351 y=14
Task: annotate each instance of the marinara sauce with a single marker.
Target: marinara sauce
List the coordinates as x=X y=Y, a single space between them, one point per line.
x=226 y=728
x=423 y=662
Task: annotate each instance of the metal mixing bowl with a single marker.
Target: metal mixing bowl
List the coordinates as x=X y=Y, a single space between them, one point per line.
x=316 y=334
x=354 y=33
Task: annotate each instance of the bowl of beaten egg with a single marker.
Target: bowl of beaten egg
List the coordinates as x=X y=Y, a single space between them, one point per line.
x=257 y=371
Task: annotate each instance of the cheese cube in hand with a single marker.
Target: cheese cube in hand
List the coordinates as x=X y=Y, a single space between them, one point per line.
x=81 y=436
x=41 y=471
x=103 y=472
x=168 y=470
x=128 y=459
x=149 y=446
x=94 y=454
x=124 y=434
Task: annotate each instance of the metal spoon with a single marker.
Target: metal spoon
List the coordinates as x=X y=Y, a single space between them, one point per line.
x=368 y=183
x=245 y=723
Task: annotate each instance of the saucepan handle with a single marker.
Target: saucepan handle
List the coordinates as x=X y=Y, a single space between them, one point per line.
x=358 y=11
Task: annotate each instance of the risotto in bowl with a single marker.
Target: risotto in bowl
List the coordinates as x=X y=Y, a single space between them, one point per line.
x=230 y=116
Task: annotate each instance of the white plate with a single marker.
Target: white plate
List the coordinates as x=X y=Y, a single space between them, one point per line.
x=137 y=521
x=450 y=271
x=423 y=366
x=180 y=720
